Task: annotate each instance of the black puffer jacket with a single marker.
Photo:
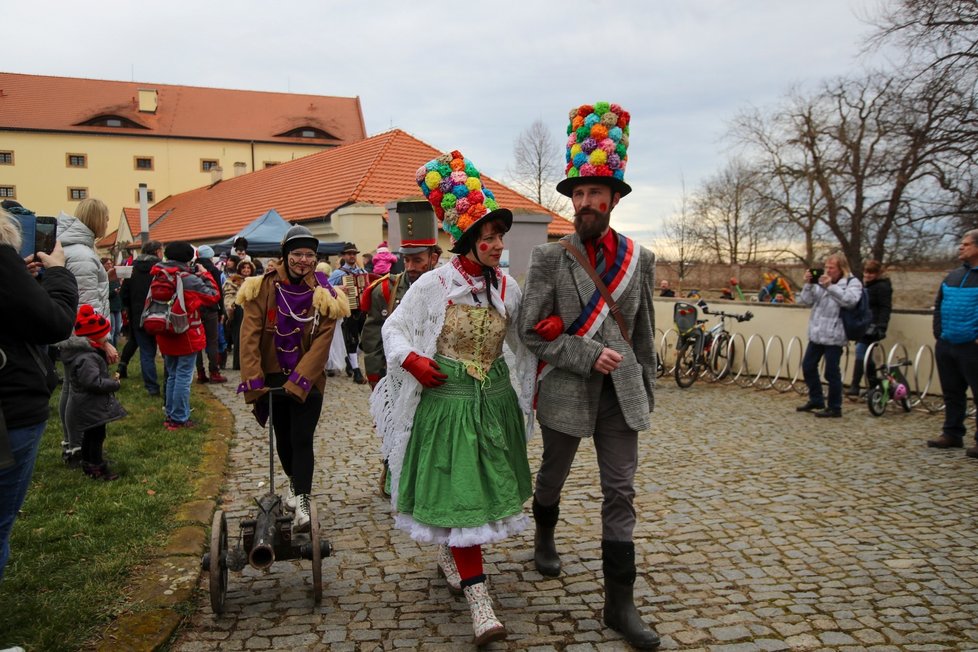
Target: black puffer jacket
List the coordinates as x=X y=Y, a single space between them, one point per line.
x=880 y=293
x=136 y=287
x=34 y=314
x=91 y=402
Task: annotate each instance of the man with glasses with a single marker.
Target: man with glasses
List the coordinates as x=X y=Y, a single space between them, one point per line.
x=286 y=329
x=956 y=331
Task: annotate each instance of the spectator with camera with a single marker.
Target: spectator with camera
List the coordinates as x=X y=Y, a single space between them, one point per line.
x=880 y=291
x=827 y=291
x=38 y=313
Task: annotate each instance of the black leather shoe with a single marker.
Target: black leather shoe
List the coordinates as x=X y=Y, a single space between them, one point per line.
x=829 y=412
x=808 y=407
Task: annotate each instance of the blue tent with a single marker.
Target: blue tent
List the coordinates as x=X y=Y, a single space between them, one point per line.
x=265 y=235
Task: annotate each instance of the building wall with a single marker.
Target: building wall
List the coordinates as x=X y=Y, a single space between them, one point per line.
x=42 y=176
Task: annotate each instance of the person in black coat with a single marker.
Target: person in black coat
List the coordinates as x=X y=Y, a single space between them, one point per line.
x=91 y=405
x=134 y=292
x=880 y=292
x=36 y=314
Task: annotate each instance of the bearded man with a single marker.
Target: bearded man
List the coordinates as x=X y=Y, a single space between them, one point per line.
x=587 y=314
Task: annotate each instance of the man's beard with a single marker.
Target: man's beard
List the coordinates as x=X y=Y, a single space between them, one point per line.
x=591 y=223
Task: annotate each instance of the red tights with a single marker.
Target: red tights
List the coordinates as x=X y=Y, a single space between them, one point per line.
x=468 y=561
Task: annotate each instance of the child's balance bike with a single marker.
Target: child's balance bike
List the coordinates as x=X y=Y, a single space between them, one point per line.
x=263 y=539
x=891 y=383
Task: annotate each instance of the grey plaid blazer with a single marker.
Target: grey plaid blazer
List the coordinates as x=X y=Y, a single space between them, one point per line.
x=569 y=393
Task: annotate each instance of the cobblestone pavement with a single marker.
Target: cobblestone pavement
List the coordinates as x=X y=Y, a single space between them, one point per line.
x=759 y=529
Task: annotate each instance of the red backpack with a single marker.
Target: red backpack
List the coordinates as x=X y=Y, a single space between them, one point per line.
x=166 y=317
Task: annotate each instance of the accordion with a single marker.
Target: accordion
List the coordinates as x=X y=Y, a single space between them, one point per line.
x=356 y=284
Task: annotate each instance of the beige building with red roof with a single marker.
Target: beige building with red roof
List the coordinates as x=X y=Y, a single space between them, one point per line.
x=341 y=194
x=63 y=139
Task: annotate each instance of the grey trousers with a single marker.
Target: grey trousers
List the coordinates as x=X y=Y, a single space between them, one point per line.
x=616 y=446
x=72 y=439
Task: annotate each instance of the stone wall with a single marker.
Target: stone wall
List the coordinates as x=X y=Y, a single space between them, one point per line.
x=913 y=289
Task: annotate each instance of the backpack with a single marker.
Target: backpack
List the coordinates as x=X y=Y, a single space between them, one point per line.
x=856 y=320
x=166 y=317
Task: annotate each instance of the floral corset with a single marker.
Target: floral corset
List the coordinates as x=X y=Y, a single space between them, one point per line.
x=473 y=335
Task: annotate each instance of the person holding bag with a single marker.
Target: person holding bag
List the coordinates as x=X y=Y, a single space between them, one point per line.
x=38 y=313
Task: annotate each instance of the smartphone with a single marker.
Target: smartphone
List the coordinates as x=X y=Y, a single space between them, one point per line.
x=45 y=233
x=28 y=228
x=815 y=274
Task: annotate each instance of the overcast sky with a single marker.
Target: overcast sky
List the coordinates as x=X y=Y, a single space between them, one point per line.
x=472 y=76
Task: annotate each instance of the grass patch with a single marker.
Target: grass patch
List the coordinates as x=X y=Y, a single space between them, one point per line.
x=77 y=541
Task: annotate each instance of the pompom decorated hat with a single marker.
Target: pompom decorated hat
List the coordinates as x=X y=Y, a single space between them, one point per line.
x=597 y=147
x=90 y=324
x=462 y=204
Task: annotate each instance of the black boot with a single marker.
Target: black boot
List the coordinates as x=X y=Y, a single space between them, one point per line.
x=123 y=370
x=620 y=614
x=544 y=549
x=358 y=377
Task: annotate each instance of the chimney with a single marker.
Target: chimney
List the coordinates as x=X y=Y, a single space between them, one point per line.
x=148 y=100
x=143 y=214
x=217 y=173
x=240 y=168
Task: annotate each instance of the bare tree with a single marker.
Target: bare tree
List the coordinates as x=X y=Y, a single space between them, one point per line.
x=537 y=167
x=934 y=33
x=733 y=219
x=680 y=238
x=878 y=154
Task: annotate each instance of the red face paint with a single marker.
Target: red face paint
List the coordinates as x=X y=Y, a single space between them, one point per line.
x=483 y=247
x=603 y=207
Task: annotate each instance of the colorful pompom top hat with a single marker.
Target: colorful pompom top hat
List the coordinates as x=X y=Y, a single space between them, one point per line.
x=597 y=147
x=462 y=204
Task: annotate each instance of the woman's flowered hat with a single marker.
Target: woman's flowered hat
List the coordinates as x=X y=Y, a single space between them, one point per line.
x=453 y=186
x=597 y=147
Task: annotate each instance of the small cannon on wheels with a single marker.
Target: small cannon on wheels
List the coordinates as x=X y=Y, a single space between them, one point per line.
x=263 y=539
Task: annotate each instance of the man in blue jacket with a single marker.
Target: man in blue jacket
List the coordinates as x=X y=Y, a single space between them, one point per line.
x=956 y=330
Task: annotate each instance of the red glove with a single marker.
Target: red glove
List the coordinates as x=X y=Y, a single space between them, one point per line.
x=424 y=369
x=549 y=328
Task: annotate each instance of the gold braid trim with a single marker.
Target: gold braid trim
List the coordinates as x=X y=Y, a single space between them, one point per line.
x=328 y=305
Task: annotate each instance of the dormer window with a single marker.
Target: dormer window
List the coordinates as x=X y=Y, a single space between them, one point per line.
x=307 y=132
x=111 y=121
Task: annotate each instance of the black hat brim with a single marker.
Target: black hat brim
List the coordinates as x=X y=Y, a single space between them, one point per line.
x=566 y=187
x=300 y=243
x=464 y=244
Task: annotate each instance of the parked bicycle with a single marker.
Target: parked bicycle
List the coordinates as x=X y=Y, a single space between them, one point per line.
x=701 y=349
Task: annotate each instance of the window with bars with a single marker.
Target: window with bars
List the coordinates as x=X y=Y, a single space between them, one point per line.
x=6 y=157
x=207 y=163
x=150 y=196
x=9 y=192
x=143 y=162
x=77 y=194
x=77 y=160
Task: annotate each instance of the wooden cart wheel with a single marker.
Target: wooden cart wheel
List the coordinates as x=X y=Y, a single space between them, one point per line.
x=218 y=562
x=317 y=562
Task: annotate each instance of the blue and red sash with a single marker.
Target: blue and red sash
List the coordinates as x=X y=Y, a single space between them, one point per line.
x=616 y=277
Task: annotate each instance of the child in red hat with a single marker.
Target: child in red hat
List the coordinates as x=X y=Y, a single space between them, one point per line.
x=91 y=404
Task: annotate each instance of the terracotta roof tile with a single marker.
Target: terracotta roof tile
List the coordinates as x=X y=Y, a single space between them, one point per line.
x=376 y=171
x=37 y=102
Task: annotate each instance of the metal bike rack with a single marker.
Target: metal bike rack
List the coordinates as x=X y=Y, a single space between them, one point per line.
x=921 y=393
x=772 y=379
x=670 y=336
x=748 y=381
x=792 y=384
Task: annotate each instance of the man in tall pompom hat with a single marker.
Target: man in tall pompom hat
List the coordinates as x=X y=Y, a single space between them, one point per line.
x=598 y=363
x=451 y=411
x=289 y=316
x=419 y=253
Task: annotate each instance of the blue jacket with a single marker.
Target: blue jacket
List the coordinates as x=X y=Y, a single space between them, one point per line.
x=956 y=307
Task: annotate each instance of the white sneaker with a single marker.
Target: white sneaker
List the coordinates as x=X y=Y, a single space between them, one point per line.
x=302 y=519
x=290 y=496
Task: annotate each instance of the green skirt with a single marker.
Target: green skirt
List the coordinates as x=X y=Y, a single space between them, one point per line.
x=465 y=463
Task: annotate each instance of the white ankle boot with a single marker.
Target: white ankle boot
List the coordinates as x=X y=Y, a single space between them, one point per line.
x=484 y=623
x=448 y=570
x=302 y=518
x=290 y=496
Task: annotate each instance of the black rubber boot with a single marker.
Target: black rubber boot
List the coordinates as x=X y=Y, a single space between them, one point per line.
x=620 y=614
x=544 y=548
